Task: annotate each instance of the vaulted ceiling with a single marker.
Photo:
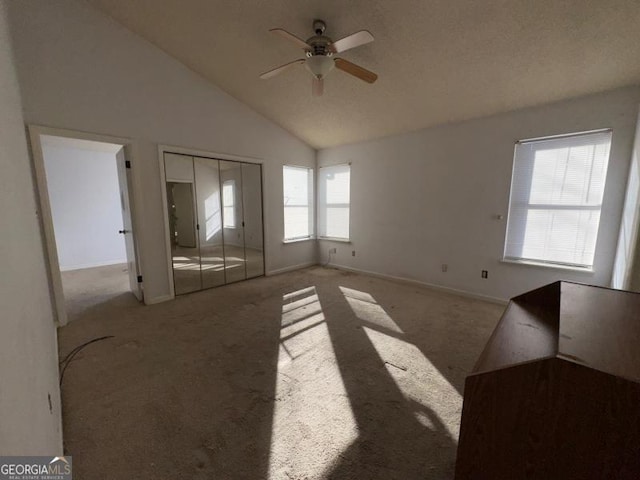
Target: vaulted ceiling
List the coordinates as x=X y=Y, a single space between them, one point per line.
x=438 y=61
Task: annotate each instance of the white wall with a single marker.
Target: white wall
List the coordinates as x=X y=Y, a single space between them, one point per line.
x=85 y=203
x=626 y=271
x=430 y=197
x=80 y=70
x=29 y=394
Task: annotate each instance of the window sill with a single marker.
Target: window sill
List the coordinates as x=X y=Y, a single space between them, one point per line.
x=298 y=240
x=529 y=263
x=333 y=239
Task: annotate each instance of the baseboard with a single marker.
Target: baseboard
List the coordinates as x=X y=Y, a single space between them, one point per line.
x=154 y=300
x=455 y=291
x=290 y=269
x=93 y=265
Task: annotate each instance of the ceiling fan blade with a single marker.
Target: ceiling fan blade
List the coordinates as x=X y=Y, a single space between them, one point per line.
x=352 y=41
x=280 y=69
x=355 y=70
x=292 y=38
x=317 y=87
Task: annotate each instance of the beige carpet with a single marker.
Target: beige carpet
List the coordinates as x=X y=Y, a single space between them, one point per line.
x=315 y=374
x=89 y=288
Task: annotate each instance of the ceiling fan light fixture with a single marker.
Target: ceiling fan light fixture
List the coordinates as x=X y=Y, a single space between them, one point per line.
x=319 y=61
x=319 y=65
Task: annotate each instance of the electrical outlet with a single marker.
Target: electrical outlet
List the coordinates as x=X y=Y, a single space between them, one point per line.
x=485 y=274
x=445 y=267
x=333 y=250
x=353 y=253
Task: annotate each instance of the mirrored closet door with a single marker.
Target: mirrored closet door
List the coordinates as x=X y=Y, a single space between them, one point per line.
x=232 y=220
x=183 y=235
x=252 y=202
x=215 y=223
x=210 y=235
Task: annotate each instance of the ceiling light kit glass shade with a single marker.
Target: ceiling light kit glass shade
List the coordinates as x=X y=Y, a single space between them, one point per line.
x=319 y=66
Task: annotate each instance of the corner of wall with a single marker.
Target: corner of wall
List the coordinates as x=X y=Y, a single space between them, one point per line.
x=30 y=412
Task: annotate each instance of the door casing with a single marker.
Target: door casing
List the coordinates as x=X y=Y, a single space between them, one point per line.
x=46 y=218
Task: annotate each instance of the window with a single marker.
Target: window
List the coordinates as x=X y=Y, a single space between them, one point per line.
x=229 y=204
x=556 y=197
x=298 y=202
x=333 y=201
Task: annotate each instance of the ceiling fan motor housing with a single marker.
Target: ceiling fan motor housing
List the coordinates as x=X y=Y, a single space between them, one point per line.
x=319 y=45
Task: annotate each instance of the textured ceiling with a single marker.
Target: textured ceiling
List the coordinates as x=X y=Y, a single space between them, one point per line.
x=438 y=61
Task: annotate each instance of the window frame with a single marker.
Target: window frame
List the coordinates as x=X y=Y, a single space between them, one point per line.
x=310 y=206
x=554 y=264
x=325 y=205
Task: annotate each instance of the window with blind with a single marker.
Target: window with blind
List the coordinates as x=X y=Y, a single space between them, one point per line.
x=556 y=198
x=297 y=185
x=334 y=185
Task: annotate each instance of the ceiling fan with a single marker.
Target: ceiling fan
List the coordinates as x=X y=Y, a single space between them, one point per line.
x=319 y=50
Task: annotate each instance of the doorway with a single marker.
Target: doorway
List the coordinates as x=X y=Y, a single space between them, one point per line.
x=84 y=186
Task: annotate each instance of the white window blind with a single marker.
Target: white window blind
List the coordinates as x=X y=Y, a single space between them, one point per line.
x=556 y=197
x=334 y=195
x=298 y=202
x=229 y=204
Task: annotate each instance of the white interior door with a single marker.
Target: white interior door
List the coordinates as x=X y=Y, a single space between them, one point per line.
x=125 y=182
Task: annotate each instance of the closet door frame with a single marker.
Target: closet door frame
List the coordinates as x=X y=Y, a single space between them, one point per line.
x=162 y=149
